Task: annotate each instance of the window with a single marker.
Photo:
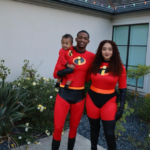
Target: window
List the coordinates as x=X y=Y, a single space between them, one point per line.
x=132 y=44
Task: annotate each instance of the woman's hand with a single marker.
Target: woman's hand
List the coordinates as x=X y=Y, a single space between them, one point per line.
x=122 y=102
x=118 y=114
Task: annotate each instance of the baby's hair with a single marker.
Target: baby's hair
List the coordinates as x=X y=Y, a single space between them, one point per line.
x=83 y=32
x=68 y=36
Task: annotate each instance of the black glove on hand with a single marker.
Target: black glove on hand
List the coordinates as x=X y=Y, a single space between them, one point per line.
x=122 y=102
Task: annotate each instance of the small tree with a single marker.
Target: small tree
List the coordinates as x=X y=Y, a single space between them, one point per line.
x=4 y=71
x=136 y=73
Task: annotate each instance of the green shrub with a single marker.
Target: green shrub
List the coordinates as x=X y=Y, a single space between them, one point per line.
x=119 y=124
x=4 y=71
x=135 y=73
x=147 y=95
x=143 y=108
x=87 y=86
x=13 y=108
x=41 y=95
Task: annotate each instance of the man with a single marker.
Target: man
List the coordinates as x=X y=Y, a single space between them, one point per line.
x=72 y=97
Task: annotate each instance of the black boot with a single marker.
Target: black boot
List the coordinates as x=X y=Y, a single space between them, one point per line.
x=71 y=143
x=109 y=130
x=62 y=73
x=55 y=144
x=95 y=127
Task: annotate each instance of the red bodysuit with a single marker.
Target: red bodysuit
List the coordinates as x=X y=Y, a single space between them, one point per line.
x=101 y=97
x=82 y=62
x=64 y=59
x=74 y=98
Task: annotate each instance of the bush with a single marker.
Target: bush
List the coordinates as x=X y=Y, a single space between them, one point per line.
x=147 y=95
x=4 y=71
x=41 y=95
x=13 y=108
x=133 y=93
x=119 y=124
x=135 y=73
x=87 y=86
x=143 y=108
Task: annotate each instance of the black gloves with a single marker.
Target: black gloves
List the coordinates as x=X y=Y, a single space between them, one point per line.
x=62 y=73
x=122 y=102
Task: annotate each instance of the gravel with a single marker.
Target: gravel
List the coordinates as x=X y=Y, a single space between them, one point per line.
x=135 y=134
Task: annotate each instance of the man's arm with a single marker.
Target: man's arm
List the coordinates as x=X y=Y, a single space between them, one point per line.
x=55 y=71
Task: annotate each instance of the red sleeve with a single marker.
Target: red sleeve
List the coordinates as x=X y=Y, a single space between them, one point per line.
x=62 y=57
x=55 y=71
x=88 y=76
x=122 y=81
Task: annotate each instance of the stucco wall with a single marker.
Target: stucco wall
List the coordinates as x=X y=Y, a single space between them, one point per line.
x=34 y=32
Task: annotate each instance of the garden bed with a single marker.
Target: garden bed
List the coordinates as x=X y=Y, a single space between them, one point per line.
x=132 y=139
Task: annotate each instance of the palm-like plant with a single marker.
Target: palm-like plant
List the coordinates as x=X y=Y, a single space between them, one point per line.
x=13 y=107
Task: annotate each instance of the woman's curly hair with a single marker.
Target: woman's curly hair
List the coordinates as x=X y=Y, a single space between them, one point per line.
x=115 y=64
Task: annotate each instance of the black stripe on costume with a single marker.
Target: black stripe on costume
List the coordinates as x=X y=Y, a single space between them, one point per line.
x=71 y=96
x=100 y=99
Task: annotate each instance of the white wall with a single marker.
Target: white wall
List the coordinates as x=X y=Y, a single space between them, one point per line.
x=137 y=18
x=34 y=32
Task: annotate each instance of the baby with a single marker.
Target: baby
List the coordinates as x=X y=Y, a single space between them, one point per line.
x=64 y=59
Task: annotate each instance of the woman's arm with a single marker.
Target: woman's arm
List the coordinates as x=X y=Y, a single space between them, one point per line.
x=122 y=82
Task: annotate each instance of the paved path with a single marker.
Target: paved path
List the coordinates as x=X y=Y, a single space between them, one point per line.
x=81 y=144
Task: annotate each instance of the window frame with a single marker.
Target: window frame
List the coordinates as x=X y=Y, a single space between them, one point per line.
x=128 y=45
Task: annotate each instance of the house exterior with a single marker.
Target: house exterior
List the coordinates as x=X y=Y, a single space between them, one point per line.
x=32 y=29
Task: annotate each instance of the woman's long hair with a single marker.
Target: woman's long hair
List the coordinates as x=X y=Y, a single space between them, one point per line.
x=115 y=63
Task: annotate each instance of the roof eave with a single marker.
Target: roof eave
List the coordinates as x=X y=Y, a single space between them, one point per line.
x=68 y=7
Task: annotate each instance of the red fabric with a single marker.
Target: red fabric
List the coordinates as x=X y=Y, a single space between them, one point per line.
x=106 y=112
x=82 y=62
x=105 y=82
x=80 y=70
x=108 y=82
x=64 y=58
x=60 y=113
x=122 y=81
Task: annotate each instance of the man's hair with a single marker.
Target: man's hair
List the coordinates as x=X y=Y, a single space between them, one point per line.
x=83 y=32
x=68 y=36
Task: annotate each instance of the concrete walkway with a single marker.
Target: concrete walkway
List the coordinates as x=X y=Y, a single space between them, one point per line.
x=81 y=143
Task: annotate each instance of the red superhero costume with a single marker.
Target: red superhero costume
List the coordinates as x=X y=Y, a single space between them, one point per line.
x=64 y=59
x=101 y=96
x=74 y=98
x=101 y=103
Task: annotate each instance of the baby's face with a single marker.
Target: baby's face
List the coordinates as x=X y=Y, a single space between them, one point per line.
x=66 y=43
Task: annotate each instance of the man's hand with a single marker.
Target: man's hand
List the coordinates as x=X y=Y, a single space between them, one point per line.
x=71 y=66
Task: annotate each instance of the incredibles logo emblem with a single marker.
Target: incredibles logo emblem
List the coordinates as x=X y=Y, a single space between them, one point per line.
x=79 y=60
x=103 y=71
x=70 y=53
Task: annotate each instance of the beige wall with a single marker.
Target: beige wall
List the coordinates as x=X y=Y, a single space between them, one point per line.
x=34 y=32
x=137 y=18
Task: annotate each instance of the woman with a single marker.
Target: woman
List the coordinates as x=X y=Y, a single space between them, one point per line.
x=106 y=71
